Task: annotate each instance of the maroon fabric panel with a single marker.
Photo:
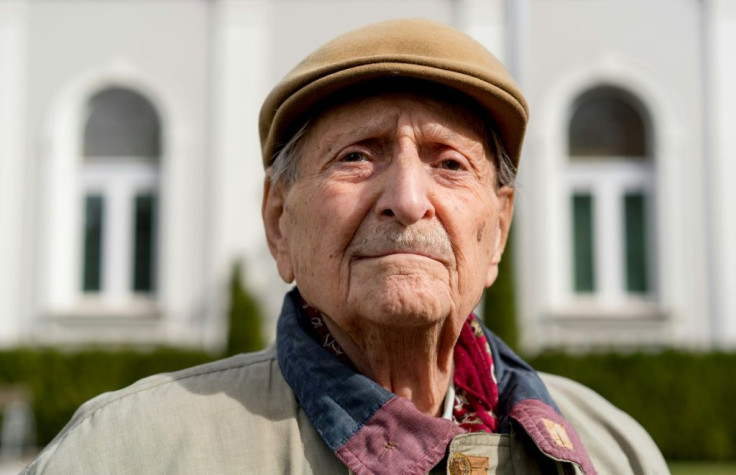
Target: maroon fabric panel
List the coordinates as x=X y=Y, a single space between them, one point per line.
x=552 y=433
x=398 y=439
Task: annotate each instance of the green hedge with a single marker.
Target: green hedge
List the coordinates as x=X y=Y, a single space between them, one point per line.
x=686 y=401
x=59 y=382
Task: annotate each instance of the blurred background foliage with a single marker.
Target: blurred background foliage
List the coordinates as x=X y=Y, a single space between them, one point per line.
x=244 y=318
x=499 y=308
x=684 y=400
x=60 y=381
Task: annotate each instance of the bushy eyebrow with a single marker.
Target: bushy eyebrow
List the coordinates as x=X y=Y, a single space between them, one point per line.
x=449 y=135
x=385 y=124
x=377 y=126
x=445 y=133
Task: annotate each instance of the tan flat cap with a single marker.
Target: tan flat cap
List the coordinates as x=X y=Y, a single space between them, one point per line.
x=405 y=48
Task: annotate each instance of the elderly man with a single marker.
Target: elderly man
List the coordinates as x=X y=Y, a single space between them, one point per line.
x=390 y=157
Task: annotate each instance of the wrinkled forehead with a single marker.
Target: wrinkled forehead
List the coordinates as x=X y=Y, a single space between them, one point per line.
x=379 y=115
x=380 y=100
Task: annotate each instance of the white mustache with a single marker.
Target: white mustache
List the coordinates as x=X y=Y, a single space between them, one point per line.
x=386 y=239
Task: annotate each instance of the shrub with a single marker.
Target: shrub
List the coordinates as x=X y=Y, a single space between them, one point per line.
x=684 y=400
x=59 y=382
x=244 y=332
x=499 y=310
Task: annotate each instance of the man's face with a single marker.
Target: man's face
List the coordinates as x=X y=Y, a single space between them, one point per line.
x=395 y=216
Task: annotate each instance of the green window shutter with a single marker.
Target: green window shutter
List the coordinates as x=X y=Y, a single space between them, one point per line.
x=94 y=210
x=637 y=280
x=144 y=243
x=583 y=243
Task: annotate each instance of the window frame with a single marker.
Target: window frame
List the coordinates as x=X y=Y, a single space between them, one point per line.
x=608 y=178
x=608 y=183
x=118 y=183
x=118 y=179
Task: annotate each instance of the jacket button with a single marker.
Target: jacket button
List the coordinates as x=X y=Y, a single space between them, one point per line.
x=459 y=464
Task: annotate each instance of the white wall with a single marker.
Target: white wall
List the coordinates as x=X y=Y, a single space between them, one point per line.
x=652 y=50
x=241 y=64
x=161 y=49
x=722 y=102
x=208 y=65
x=13 y=172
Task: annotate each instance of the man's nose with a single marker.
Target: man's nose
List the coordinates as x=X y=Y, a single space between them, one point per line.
x=406 y=190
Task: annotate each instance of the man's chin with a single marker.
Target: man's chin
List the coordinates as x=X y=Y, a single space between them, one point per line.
x=401 y=302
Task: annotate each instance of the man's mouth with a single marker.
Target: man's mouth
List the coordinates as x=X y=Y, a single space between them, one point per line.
x=379 y=255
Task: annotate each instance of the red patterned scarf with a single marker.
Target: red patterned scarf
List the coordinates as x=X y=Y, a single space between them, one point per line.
x=476 y=391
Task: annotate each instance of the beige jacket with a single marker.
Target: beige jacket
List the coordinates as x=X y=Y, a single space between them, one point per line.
x=239 y=415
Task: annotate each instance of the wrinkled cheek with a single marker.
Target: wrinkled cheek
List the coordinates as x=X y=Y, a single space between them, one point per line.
x=474 y=259
x=316 y=262
x=306 y=259
x=299 y=233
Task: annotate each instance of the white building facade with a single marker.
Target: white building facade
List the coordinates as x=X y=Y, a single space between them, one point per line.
x=131 y=180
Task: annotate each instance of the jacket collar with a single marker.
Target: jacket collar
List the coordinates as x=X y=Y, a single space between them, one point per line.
x=369 y=428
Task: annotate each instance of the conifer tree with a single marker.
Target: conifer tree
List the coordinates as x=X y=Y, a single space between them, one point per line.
x=244 y=332
x=499 y=301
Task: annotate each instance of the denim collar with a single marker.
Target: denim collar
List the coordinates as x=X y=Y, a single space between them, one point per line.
x=369 y=428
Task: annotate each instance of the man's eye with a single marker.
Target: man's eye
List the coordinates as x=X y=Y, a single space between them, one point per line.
x=450 y=164
x=354 y=157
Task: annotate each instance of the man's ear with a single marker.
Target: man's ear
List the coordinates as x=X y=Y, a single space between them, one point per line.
x=505 y=212
x=272 y=210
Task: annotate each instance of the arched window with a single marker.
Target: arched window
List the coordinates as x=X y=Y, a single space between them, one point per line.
x=119 y=181
x=606 y=122
x=121 y=123
x=611 y=182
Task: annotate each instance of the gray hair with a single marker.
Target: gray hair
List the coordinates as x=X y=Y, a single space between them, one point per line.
x=285 y=163
x=284 y=166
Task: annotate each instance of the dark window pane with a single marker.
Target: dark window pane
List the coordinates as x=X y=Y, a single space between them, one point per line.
x=144 y=243
x=121 y=123
x=583 y=242
x=92 y=260
x=636 y=243
x=606 y=123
